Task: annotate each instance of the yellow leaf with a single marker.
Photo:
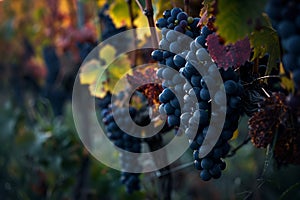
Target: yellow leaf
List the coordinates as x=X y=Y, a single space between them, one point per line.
x=107 y=53
x=120 y=67
x=141 y=22
x=97 y=91
x=160 y=6
x=286 y=83
x=90 y=71
x=235 y=134
x=117 y=72
x=101 y=3
x=119 y=13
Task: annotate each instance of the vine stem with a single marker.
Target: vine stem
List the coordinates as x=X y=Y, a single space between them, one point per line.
x=233 y=152
x=187 y=6
x=263 y=77
x=175 y=169
x=148 y=12
x=164 y=182
x=139 y=5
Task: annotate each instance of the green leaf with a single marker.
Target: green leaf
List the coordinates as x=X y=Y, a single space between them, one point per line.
x=236 y=19
x=266 y=41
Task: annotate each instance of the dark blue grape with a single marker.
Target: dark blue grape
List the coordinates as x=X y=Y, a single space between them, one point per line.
x=170 y=63
x=159 y=72
x=179 y=61
x=195 y=22
x=195 y=80
x=234 y=102
x=289 y=61
x=175 y=11
x=182 y=16
x=183 y=23
x=167 y=73
x=205 y=31
x=197 y=165
x=164 y=44
x=167 y=13
x=161 y=23
x=204 y=94
x=207 y=163
x=200 y=139
x=172 y=36
x=196 y=156
x=157 y=55
x=296 y=78
x=167 y=54
x=215 y=171
x=286 y=29
x=169 y=109
x=205 y=175
x=175 y=103
x=194 y=145
x=293 y=44
x=173 y=120
x=230 y=87
x=171 y=20
x=189 y=34
x=185 y=118
x=201 y=40
x=179 y=29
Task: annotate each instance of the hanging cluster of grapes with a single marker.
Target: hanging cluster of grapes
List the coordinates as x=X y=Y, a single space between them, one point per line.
x=179 y=71
x=123 y=140
x=285 y=17
x=277 y=121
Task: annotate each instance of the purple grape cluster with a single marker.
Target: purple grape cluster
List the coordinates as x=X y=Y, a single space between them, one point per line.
x=285 y=17
x=181 y=76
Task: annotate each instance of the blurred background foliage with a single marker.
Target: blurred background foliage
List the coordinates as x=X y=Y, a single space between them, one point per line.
x=41 y=156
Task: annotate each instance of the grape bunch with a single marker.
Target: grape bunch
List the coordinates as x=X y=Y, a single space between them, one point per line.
x=123 y=141
x=195 y=115
x=196 y=120
x=285 y=17
x=172 y=54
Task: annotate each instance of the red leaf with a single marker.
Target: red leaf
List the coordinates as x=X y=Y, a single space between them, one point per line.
x=228 y=55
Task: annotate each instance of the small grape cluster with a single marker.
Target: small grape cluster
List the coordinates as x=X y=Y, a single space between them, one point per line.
x=182 y=77
x=123 y=141
x=285 y=16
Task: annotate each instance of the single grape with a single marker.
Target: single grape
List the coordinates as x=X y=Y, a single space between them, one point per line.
x=293 y=44
x=157 y=55
x=161 y=23
x=205 y=175
x=286 y=29
x=230 y=87
x=182 y=16
x=204 y=94
x=167 y=73
x=173 y=120
x=206 y=163
x=190 y=20
x=167 y=13
x=175 y=11
x=179 y=29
